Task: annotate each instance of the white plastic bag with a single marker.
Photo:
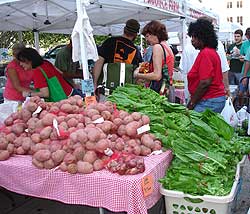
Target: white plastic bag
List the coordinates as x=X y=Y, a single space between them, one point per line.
x=229 y=114
x=6 y=109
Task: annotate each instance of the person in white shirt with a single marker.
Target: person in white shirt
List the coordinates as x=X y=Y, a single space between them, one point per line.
x=188 y=57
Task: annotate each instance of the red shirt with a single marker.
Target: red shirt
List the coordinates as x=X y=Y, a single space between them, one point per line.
x=207 y=65
x=25 y=78
x=50 y=70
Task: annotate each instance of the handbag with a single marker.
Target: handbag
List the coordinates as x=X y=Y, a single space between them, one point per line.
x=162 y=86
x=56 y=92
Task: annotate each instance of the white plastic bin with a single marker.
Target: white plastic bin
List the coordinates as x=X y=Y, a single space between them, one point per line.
x=180 y=203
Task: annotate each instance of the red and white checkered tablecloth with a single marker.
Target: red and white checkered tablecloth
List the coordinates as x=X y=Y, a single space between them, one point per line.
x=99 y=189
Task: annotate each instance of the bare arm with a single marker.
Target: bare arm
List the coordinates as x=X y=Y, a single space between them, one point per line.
x=44 y=92
x=226 y=83
x=246 y=68
x=15 y=81
x=157 y=63
x=97 y=70
x=200 y=91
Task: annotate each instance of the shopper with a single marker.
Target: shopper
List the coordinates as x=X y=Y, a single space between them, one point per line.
x=233 y=55
x=30 y=59
x=205 y=80
x=18 y=79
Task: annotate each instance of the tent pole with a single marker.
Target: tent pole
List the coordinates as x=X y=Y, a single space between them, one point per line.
x=20 y=36
x=36 y=37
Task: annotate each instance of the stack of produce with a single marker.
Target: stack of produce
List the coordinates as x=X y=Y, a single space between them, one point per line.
x=206 y=148
x=75 y=138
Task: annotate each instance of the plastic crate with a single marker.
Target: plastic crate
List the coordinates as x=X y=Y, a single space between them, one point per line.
x=180 y=203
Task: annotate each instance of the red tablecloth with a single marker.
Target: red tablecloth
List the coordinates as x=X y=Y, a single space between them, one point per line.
x=99 y=189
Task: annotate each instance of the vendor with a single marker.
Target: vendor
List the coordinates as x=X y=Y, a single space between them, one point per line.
x=30 y=59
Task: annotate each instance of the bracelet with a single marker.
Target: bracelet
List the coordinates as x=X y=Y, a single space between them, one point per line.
x=29 y=94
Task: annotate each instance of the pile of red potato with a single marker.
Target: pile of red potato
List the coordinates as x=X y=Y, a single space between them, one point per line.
x=87 y=138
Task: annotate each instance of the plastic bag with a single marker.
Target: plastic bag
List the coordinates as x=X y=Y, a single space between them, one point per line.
x=229 y=114
x=6 y=109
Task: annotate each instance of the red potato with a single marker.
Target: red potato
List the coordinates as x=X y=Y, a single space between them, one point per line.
x=95 y=117
x=72 y=122
x=10 y=148
x=16 y=115
x=60 y=119
x=4 y=155
x=119 y=144
x=66 y=107
x=132 y=143
x=42 y=155
x=84 y=167
x=102 y=145
x=110 y=106
x=145 y=150
x=82 y=136
x=47 y=120
x=63 y=167
x=55 y=145
x=73 y=136
x=3 y=143
x=101 y=107
x=90 y=157
x=79 y=153
x=79 y=103
x=31 y=106
x=32 y=124
x=38 y=147
x=26 y=114
x=131 y=128
x=88 y=120
x=103 y=135
x=112 y=137
x=136 y=116
x=37 y=163
x=8 y=121
x=58 y=156
x=26 y=144
x=93 y=134
x=49 y=164
x=128 y=119
x=121 y=130
x=42 y=114
x=69 y=158
x=54 y=109
x=45 y=132
x=137 y=150
x=72 y=168
x=64 y=125
x=75 y=109
x=123 y=114
x=147 y=141
x=18 y=128
x=18 y=141
x=106 y=115
x=98 y=165
x=128 y=149
x=91 y=112
x=117 y=121
x=106 y=126
x=20 y=151
x=80 y=126
x=72 y=100
x=90 y=145
x=145 y=119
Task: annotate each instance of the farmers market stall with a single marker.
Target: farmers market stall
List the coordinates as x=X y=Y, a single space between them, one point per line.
x=99 y=189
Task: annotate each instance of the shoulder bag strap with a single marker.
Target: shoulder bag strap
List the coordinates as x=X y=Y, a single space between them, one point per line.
x=44 y=74
x=165 y=63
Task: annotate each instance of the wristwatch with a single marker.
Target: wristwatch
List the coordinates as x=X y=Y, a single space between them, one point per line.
x=29 y=94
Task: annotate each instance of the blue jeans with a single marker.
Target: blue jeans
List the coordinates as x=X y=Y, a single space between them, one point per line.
x=214 y=104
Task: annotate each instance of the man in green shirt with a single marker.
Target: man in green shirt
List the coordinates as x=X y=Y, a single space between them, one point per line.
x=233 y=55
x=65 y=63
x=245 y=46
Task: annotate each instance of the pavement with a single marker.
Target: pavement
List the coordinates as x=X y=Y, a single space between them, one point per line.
x=13 y=203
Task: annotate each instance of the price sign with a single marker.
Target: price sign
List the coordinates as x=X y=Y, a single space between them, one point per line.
x=88 y=86
x=147 y=185
x=90 y=100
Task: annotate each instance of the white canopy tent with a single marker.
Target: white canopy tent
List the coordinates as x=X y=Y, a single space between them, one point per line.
x=59 y=16
x=226 y=31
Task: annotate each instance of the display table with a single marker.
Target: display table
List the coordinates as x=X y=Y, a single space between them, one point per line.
x=99 y=189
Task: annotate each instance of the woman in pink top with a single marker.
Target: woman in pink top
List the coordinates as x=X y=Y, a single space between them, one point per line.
x=156 y=35
x=18 y=79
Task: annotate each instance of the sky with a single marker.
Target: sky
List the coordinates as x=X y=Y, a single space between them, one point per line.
x=215 y=5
